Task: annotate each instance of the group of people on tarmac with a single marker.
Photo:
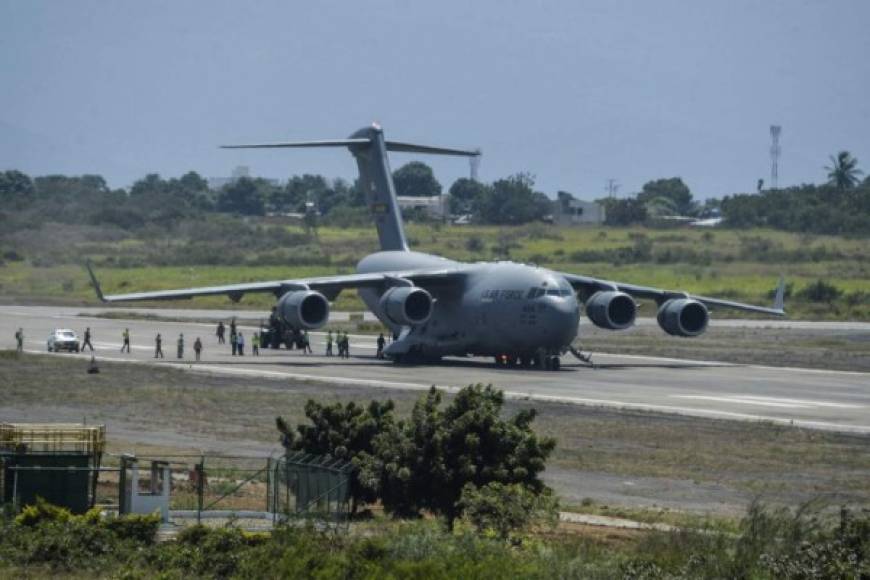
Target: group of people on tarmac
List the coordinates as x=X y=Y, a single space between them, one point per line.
x=341 y=341
x=237 y=339
x=237 y=342
x=158 y=345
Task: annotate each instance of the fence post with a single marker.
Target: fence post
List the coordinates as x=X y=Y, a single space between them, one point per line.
x=200 y=488
x=122 y=486
x=15 y=502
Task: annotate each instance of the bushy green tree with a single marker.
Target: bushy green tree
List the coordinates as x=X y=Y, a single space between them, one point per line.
x=677 y=194
x=244 y=196
x=429 y=459
x=16 y=189
x=512 y=201
x=298 y=190
x=426 y=461
x=344 y=432
x=623 y=211
x=416 y=179
x=465 y=194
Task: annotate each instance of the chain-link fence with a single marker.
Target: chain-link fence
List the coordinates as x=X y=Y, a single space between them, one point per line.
x=311 y=487
x=252 y=492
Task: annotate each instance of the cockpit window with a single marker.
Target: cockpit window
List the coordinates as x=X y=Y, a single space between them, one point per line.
x=553 y=292
x=535 y=292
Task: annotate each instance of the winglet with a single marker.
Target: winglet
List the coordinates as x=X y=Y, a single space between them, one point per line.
x=94 y=282
x=779 y=297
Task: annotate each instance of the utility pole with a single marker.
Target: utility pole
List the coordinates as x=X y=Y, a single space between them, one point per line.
x=775 y=150
x=612 y=187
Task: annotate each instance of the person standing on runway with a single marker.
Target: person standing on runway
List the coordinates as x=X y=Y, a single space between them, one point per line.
x=87 y=340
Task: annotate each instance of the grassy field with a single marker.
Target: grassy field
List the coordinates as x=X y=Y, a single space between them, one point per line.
x=736 y=264
x=682 y=463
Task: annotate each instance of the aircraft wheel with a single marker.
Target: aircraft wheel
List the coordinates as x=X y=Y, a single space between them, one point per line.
x=555 y=363
x=525 y=361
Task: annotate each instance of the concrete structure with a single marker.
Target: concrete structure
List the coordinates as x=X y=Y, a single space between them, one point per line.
x=568 y=211
x=155 y=498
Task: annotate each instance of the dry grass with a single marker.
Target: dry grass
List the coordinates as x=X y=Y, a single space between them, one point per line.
x=153 y=411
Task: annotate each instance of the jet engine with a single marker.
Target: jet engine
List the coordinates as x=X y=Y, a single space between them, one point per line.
x=407 y=305
x=611 y=310
x=303 y=309
x=683 y=317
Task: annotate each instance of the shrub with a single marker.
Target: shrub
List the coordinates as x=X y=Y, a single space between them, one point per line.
x=506 y=509
x=820 y=291
x=474 y=244
x=42 y=512
x=139 y=528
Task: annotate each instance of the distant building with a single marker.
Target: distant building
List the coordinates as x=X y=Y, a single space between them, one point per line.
x=239 y=172
x=568 y=211
x=435 y=206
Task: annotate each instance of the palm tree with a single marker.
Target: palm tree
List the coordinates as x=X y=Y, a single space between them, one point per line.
x=843 y=172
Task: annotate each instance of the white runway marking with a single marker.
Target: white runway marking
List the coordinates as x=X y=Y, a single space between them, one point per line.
x=769 y=401
x=700 y=412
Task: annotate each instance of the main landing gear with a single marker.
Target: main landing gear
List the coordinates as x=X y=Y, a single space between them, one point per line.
x=541 y=361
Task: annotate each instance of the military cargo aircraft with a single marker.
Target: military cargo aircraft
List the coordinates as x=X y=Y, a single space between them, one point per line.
x=520 y=314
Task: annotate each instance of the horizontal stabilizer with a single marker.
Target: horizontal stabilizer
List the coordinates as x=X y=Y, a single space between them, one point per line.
x=397 y=146
x=411 y=148
x=300 y=144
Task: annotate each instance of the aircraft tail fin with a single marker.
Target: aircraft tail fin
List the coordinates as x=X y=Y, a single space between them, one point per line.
x=779 y=297
x=369 y=148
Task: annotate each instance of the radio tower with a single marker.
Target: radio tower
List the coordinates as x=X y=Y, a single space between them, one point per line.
x=775 y=150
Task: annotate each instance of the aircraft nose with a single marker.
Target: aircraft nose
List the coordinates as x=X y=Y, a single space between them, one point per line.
x=563 y=317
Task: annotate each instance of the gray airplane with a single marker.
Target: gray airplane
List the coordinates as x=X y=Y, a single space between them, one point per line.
x=520 y=314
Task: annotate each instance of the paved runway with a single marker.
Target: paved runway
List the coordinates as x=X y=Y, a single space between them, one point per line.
x=813 y=398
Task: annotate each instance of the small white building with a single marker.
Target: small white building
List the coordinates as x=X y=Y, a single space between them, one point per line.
x=568 y=211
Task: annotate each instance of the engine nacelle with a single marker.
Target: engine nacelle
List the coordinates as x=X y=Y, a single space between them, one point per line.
x=303 y=309
x=683 y=317
x=407 y=305
x=611 y=310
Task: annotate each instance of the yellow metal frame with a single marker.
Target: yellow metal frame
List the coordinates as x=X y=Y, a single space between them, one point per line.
x=52 y=438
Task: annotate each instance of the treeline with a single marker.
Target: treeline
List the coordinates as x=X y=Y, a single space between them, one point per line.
x=87 y=199
x=840 y=206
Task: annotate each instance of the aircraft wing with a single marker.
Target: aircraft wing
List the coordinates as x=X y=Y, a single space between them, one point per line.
x=329 y=286
x=591 y=285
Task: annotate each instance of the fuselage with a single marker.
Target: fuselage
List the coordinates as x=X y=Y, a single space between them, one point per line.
x=498 y=308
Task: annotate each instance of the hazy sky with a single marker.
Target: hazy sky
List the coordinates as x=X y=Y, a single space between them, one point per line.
x=573 y=92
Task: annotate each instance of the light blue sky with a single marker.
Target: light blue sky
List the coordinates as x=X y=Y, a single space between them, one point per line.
x=573 y=92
